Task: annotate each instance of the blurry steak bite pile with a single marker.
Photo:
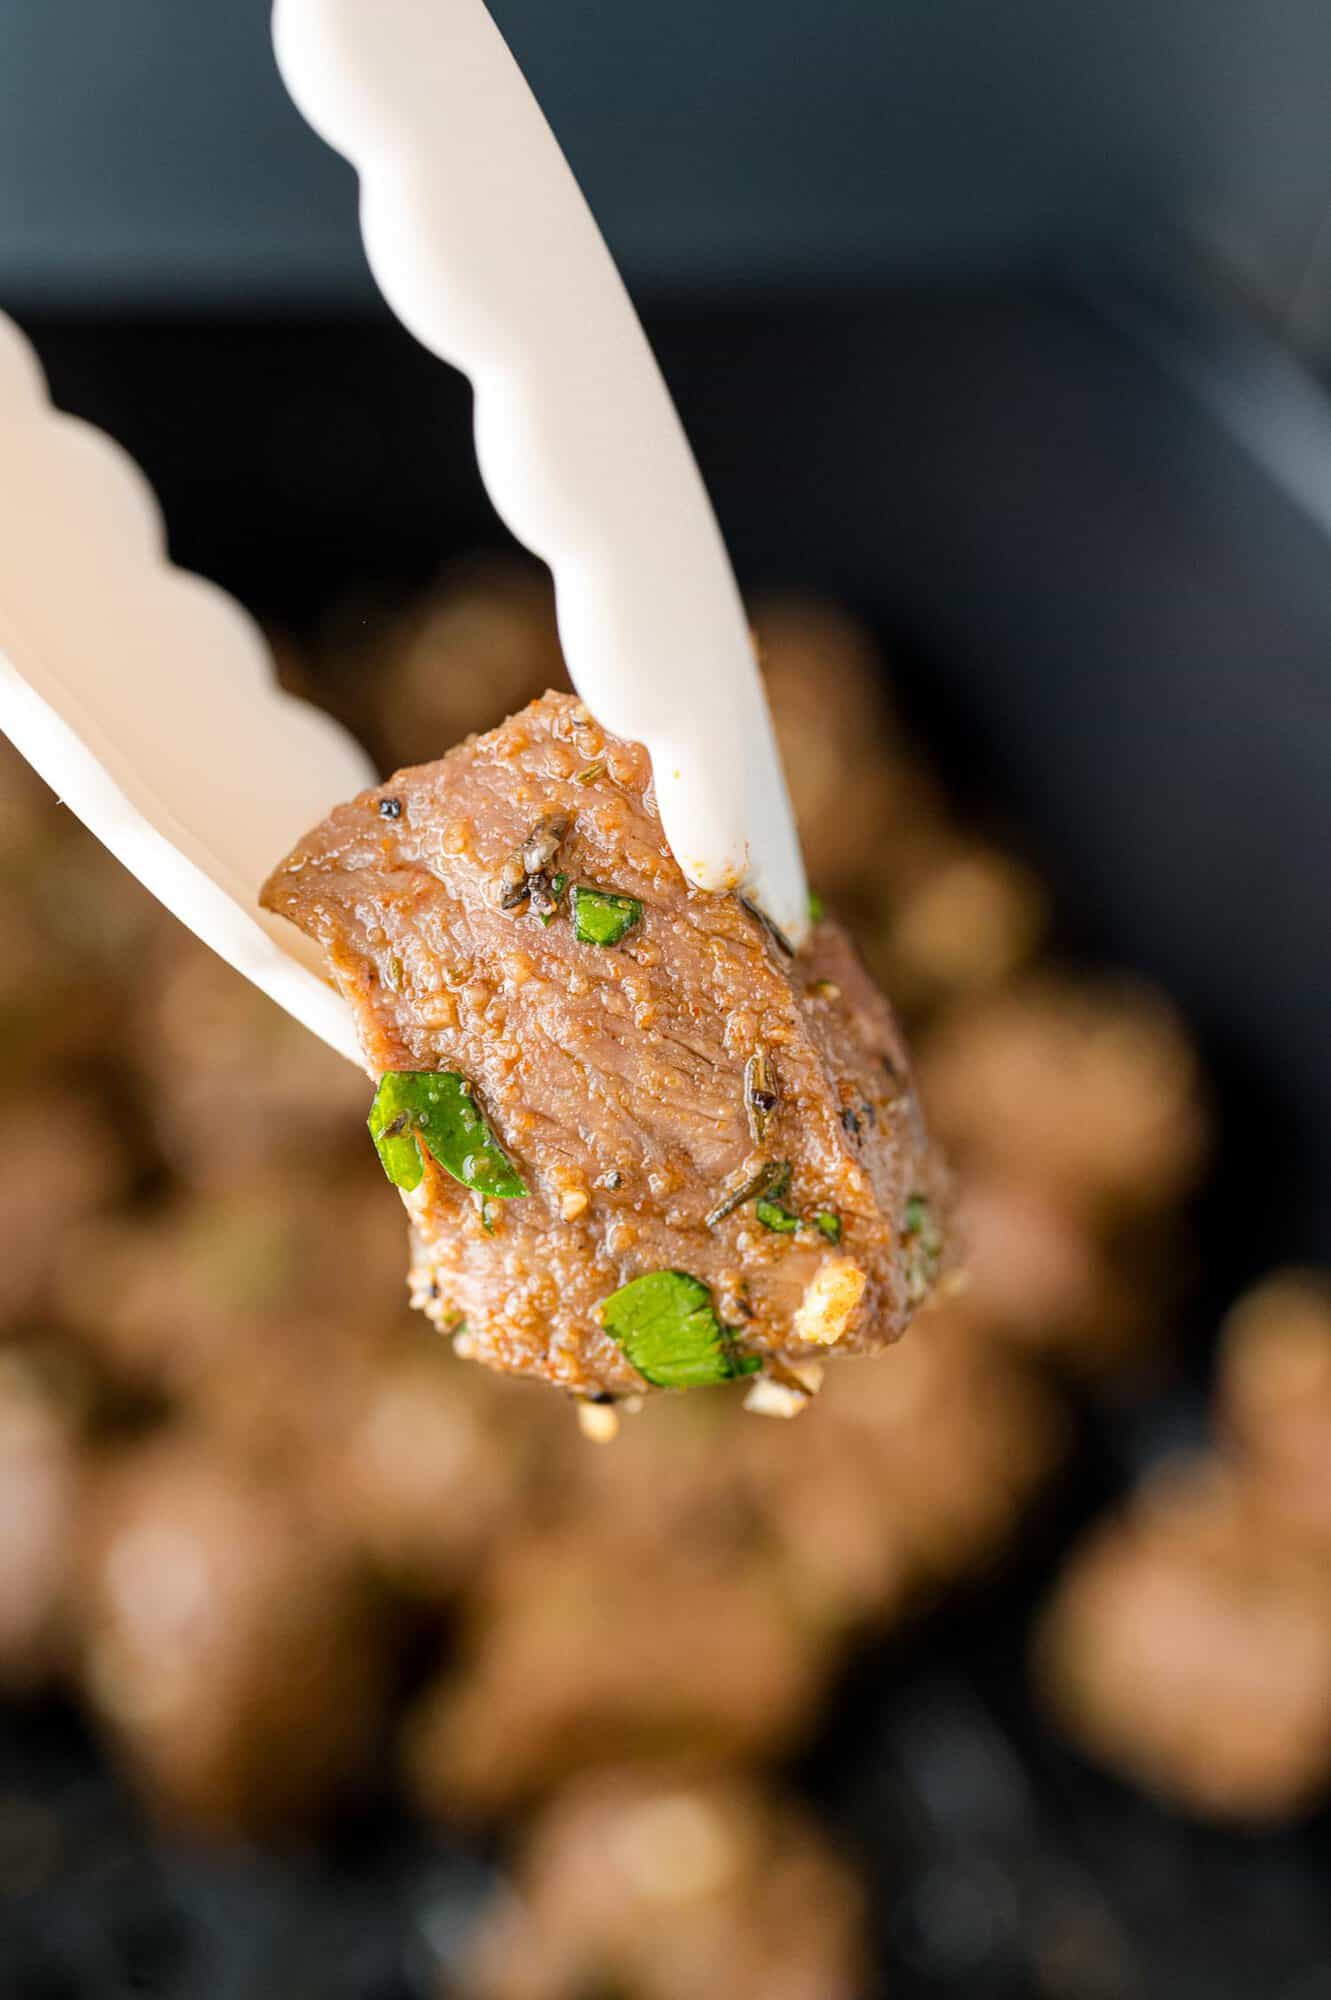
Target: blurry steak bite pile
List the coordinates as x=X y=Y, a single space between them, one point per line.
x=272 y=1528
x=1073 y=1112
x=1188 y=1642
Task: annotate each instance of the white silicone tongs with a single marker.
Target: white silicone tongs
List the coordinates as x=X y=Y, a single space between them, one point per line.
x=145 y=697
x=480 y=240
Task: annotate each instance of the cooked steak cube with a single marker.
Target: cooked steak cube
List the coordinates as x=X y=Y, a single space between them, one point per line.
x=596 y=1073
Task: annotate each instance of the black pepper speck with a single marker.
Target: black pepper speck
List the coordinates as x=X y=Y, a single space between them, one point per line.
x=390 y=808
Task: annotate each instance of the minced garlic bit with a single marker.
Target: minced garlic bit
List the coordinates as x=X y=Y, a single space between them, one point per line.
x=830 y=1299
x=785 y=1387
x=769 y=1398
x=572 y=1202
x=598 y=1422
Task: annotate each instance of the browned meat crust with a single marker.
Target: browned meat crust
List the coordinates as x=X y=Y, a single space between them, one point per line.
x=615 y=1077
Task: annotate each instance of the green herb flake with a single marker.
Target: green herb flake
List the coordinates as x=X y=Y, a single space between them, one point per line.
x=772 y=1178
x=828 y=1223
x=590 y=775
x=817 y=907
x=924 y=1241
x=920 y=1221
x=666 y=1324
x=435 y=1109
x=600 y=918
x=392 y=1127
x=775 y=1216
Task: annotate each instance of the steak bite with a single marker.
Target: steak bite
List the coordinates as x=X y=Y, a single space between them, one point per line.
x=1189 y=1647
x=641 y=1142
x=664 y=1885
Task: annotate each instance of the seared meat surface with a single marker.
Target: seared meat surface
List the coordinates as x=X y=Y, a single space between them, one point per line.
x=642 y=1052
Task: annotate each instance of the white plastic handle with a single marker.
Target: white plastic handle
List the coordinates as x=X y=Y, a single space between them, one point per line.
x=481 y=242
x=145 y=697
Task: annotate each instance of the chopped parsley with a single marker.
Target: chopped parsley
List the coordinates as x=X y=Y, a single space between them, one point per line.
x=601 y=918
x=666 y=1323
x=924 y=1244
x=817 y=907
x=435 y=1109
x=919 y=1219
x=765 y=1189
x=772 y=1178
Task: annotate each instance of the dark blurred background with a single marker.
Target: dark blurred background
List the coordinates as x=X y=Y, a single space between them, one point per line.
x=150 y=156
x=1003 y=330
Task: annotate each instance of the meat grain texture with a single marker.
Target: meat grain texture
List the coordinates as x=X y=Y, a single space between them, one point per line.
x=615 y=1076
